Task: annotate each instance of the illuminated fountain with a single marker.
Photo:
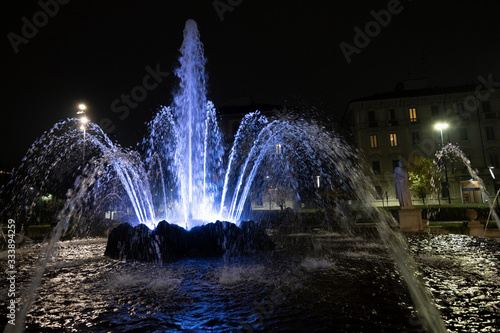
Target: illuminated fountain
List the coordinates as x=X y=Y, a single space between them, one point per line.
x=185 y=177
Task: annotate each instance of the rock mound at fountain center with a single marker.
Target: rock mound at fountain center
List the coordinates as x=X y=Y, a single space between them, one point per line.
x=171 y=242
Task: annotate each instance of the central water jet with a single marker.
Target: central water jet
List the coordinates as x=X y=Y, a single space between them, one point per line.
x=190 y=112
x=184 y=147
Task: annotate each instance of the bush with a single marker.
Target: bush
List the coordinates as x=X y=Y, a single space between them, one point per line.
x=454 y=213
x=38 y=232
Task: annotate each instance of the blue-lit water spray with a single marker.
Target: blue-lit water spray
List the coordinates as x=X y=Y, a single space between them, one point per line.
x=197 y=130
x=249 y=129
x=58 y=156
x=183 y=175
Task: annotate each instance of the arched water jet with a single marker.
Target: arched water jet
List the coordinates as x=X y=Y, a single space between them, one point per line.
x=453 y=150
x=55 y=160
x=249 y=129
x=305 y=151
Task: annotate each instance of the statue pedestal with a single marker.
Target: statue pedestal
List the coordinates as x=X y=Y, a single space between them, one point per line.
x=475 y=228
x=410 y=220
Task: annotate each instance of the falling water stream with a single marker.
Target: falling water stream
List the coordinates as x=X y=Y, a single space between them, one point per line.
x=184 y=177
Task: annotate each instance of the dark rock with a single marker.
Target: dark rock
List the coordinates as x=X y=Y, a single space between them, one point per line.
x=132 y=243
x=173 y=240
x=118 y=240
x=170 y=242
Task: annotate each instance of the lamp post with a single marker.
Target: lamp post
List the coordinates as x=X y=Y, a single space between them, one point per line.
x=83 y=120
x=491 y=167
x=440 y=127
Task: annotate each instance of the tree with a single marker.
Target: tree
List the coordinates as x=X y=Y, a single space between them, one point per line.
x=279 y=196
x=421 y=177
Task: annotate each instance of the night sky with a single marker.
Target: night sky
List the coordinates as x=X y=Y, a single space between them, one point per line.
x=276 y=52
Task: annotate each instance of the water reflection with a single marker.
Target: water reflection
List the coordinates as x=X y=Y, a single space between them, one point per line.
x=320 y=282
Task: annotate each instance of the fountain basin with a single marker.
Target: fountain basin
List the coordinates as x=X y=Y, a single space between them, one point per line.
x=319 y=282
x=168 y=242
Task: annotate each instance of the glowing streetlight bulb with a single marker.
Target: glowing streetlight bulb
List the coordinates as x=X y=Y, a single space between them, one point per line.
x=81 y=109
x=84 y=120
x=441 y=126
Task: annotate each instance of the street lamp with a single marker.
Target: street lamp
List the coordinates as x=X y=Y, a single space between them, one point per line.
x=440 y=127
x=83 y=120
x=491 y=167
x=81 y=108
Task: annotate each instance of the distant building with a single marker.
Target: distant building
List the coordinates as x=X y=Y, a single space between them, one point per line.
x=397 y=126
x=232 y=112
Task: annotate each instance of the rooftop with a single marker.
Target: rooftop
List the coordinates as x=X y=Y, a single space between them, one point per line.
x=401 y=93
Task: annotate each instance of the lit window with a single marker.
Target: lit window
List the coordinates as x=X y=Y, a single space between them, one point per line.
x=394 y=139
x=373 y=141
x=278 y=149
x=413 y=115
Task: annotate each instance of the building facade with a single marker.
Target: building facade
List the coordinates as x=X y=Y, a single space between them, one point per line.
x=394 y=127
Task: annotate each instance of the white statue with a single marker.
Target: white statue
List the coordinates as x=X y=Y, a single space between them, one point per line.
x=402 y=189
